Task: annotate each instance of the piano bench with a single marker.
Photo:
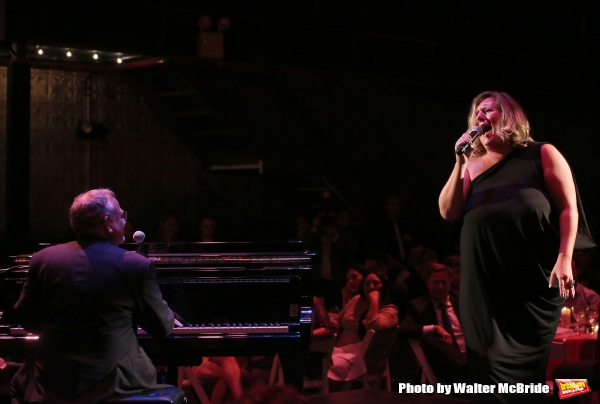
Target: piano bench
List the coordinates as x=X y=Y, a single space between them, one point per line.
x=171 y=395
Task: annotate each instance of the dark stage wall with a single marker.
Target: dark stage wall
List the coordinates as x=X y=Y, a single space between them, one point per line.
x=361 y=120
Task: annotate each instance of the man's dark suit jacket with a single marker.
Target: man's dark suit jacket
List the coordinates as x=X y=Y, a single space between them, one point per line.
x=85 y=299
x=448 y=363
x=422 y=312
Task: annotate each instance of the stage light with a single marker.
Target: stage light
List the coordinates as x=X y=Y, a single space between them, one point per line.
x=95 y=56
x=40 y=51
x=69 y=54
x=119 y=60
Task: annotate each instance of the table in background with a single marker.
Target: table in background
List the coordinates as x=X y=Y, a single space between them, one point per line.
x=578 y=348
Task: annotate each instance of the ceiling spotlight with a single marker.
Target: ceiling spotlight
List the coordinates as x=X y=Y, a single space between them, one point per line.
x=95 y=56
x=69 y=54
x=204 y=22
x=223 y=24
x=119 y=60
x=40 y=51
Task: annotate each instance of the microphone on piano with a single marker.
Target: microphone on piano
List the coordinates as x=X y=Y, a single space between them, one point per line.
x=139 y=237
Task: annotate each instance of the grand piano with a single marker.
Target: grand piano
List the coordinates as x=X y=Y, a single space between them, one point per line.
x=232 y=299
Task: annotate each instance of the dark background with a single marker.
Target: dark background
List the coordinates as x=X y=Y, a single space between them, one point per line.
x=347 y=99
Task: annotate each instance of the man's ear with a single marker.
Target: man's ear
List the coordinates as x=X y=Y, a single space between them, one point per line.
x=107 y=224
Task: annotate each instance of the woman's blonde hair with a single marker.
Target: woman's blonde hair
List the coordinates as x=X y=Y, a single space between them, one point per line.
x=513 y=126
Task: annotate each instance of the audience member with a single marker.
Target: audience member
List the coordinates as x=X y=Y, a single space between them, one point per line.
x=391 y=233
x=208 y=228
x=412 y=280
x=434 y=318
x=322 y=329
x=333 y=254
x=225 y=372
x=429 y=258
x=169 y=229
x=453 y=262
x=391 y=269
x=321 y=325
x=4 y=383
x=583 y=297
x=588 y=370
x=302 y=229
x=370 y=310
x=385 y=265
x=354 y=277
x=589 y=273
x=347 y=232
x=271 y=394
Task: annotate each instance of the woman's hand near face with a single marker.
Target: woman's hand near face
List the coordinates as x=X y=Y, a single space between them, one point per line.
x=374 y=296
x=464 y=158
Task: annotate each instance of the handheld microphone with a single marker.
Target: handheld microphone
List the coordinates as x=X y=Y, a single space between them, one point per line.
x=475 y=133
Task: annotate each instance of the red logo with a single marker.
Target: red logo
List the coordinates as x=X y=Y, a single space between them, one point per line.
x=572 y=387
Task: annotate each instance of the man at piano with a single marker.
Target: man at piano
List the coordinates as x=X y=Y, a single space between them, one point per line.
x=85 y=300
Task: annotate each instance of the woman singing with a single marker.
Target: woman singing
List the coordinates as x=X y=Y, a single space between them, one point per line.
x=519 y=204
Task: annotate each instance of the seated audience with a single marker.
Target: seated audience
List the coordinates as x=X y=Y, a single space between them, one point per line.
x=354 y=277
x=321 y=325
x=388 y=267
x=302 y=229
x=370 y=310
x=333 y=255
x=453 y=262
x=412 y=279
x=4 y=383
x=322 y=329
x=169 y=230
x=347 y=233
x=225 y=371
x=589 y=268
x=391 y=232
x=579 y=370
x=208 y=229
x=584 y=297
x=271 y=394
x=434 y=318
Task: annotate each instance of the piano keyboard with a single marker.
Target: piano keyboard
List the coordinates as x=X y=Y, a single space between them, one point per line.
x=261 y=328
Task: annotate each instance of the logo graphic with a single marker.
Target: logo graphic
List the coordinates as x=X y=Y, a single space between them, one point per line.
x=571 y=387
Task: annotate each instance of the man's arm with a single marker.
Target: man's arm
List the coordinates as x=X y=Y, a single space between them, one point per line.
x=410 y=326
x=156 y=317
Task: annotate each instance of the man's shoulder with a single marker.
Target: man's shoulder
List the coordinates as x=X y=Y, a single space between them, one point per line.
x=128 y=257
x=134 y=257
x=56 y=249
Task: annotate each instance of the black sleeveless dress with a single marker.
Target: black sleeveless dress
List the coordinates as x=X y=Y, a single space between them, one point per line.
x=509 y=245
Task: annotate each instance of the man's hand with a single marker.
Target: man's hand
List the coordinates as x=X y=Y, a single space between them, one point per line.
x=442 y=334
